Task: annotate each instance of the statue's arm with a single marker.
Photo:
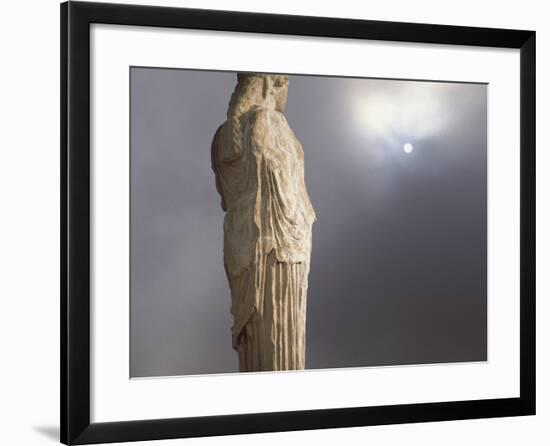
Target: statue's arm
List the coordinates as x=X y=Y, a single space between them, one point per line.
x=261 y=131
x=229 y=141
x=303 y=188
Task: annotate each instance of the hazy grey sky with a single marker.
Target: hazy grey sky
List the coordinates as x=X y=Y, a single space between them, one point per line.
x=398 y=269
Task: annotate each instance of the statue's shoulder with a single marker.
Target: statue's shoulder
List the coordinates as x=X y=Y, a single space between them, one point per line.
x=264 y=122
x=264 y=115
x=222 y=134
x=215 y=147
x=216 y=138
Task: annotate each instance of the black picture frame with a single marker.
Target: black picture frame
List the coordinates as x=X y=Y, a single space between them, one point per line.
x=76 y=18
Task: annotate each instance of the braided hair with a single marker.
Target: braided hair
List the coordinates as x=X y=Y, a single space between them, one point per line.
x=249 y=93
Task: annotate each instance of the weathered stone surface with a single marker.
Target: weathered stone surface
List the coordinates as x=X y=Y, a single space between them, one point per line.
x=259 y=167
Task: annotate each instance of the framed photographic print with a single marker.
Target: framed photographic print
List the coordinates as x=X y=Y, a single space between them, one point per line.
x=276 y=223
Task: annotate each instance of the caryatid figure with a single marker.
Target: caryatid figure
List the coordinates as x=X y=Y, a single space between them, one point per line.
x=259 y=167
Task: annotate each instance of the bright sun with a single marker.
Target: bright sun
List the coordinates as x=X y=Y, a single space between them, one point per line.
x=408 y=147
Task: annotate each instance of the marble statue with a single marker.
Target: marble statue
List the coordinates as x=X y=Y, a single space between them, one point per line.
x=259 y=167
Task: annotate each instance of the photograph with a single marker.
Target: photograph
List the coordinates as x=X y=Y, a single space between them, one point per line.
x=285 y=222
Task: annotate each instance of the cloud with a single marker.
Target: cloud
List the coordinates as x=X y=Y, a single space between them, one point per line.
x=391 y=113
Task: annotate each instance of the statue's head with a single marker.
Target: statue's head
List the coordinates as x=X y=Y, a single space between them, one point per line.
x=259 y=90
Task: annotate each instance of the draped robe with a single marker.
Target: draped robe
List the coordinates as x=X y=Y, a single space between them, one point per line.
x=267 y=238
